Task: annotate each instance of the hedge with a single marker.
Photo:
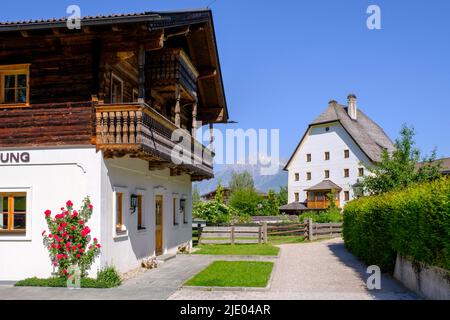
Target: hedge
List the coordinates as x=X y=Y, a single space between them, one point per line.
x=414 y=222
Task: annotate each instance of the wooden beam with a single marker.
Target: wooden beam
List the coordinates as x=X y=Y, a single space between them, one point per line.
x=207 y=73
x=183 y=32
x=24 y=33
x=141 y=63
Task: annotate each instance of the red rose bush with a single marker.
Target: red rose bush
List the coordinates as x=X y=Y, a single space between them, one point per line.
x=69 y=241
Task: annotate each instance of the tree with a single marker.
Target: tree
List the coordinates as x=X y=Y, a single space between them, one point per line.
x=241 y=181
x=399 y=169
x=246 y=202
x=271 y=206
x=195 y=196
x=219 y=194
x=283 y=196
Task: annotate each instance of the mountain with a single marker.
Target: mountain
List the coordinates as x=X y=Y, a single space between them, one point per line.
x=262 y=182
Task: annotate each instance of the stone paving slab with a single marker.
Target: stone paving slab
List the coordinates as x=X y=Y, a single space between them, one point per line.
x=317 y=270
x=155 y=284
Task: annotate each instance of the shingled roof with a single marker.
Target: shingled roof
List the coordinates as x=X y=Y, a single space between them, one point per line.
x=325 y=185
x=369 y=136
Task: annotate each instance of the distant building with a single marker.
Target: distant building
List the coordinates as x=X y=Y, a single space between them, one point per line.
x=445 y=165
x=333 y=156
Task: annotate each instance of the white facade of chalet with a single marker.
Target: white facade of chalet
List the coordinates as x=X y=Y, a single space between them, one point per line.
x=336 y=148
x=53 y=176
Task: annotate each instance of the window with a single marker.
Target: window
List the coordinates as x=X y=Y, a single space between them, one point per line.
x=327 y=174
x=116 y=89
x=175 y=215
x=297 y=197
x=308 y=157
x=297 y=177
x=346 y=195
x=183 y=211
x=119 y=212
x=13 y=212
x=14 y=84
x=346 y=154
x=361 y=172
x=320 y=196
x=308 y=176
x=346 y=173
x=140 y=224
x=135 y=95
x=327 y=155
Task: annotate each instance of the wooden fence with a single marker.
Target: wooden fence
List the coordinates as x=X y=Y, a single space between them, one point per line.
x=261 y=233
x=231 y=235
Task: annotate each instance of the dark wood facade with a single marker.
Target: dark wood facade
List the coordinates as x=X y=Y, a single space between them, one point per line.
x=122 y=83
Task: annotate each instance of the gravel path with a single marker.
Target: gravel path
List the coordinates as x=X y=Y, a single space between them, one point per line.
x=318 y=270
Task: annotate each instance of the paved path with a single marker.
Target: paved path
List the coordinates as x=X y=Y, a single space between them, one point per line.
x=318 y=270
x=156 y=284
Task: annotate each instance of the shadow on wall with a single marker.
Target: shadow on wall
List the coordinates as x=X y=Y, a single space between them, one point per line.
x=391 y=289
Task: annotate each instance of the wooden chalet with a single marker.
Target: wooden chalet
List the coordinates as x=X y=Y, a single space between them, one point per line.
x=123 y=83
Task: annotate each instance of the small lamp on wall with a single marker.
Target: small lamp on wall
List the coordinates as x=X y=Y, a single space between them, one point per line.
x=133 y=204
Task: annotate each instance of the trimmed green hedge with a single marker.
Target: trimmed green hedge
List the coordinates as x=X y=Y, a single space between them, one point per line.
x=414 y=222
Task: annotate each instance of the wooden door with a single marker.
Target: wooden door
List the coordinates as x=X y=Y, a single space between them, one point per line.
x=159 y=225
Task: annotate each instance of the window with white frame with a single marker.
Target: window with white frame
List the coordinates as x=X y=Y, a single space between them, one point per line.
x=13 y=212
x=183 y=211
x=175 y=212
x=119 y=206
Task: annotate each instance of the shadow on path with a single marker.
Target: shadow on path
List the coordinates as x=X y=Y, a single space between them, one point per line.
x=391 y=289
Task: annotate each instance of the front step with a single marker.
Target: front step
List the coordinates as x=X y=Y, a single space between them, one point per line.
x=165 y=257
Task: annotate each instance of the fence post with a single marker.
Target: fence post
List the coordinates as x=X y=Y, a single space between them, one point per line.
x=260 y=234
x=265 y=235
x=232 y=234
x=199 y=232
x=310 y=230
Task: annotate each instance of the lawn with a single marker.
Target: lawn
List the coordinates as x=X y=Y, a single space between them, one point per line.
x=286 y=239
x=238 y=249
x=233 y=274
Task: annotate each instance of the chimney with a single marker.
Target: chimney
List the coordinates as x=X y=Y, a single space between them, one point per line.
x=352 y=109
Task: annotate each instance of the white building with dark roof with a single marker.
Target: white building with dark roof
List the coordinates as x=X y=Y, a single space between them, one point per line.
x=333 y=155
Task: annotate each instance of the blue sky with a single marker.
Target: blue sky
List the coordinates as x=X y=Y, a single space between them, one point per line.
x=282 y=61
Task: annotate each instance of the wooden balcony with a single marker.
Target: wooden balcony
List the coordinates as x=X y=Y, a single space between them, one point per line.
x=323 y=204
x=138 y=131
x=318 y=200
x=169 y=69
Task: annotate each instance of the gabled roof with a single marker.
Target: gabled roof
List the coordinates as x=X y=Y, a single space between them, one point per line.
x=216 y=103
x=294 y=206
x=325 y=185
x=369 y=136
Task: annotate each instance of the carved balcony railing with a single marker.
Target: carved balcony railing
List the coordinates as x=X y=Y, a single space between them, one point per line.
x=139 y=131
x=170 y=68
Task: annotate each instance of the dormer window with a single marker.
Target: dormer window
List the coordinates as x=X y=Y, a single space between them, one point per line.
x=14 y=84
